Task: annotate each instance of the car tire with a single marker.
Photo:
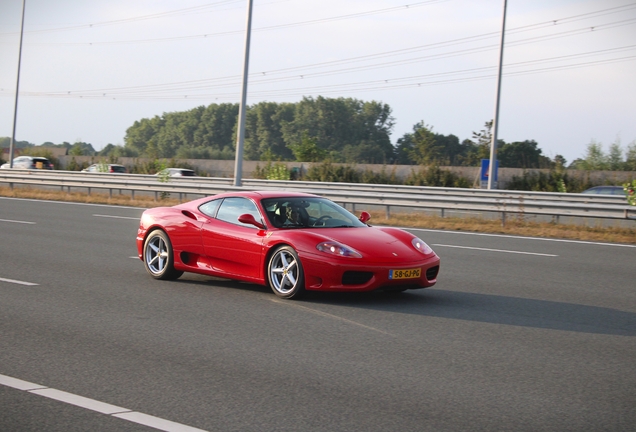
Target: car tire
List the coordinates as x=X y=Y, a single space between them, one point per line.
x=159 y=256
x=285 y=273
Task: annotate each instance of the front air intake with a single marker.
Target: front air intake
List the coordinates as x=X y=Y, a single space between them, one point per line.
x=356 y=277
x=431 y=274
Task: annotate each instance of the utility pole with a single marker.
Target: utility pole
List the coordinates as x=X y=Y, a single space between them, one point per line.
x=493 y=145
x=17 y=89
x=240 y=138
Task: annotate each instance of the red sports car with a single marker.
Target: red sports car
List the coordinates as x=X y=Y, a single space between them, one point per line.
x=292 y=242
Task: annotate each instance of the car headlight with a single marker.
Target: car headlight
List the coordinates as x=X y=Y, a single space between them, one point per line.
x=338 y=249
x=421 y=246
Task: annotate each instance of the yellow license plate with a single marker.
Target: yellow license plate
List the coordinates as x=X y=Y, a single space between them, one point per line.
x=405 y=273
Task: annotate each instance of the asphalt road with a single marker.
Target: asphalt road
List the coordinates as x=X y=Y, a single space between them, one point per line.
x=519 y=334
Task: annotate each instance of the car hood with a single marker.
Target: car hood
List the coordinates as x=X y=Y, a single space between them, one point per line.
x=375 y=245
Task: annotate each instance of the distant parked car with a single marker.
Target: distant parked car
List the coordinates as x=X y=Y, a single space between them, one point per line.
x=605 y=190
x=30 y=162
x=177 y=172
x=106 y=168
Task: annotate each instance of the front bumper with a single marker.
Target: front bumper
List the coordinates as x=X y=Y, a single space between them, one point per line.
x=352 y=275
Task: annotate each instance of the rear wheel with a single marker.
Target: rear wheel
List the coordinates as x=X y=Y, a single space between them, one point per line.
x=159 y=256
x=285 y=273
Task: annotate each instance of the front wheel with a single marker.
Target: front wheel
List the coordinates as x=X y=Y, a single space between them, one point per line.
x=159 y=256
x=285 y=273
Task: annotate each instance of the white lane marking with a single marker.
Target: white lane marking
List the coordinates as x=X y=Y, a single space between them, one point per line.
x=328 y=315
x=15 y=221
x=19 y=384
x=95 y=405
x=155 y=422
x=80 y=401
x=116 y=217
x=73 y=203
x=495 y=250
x=17 y=282
x=520 y=237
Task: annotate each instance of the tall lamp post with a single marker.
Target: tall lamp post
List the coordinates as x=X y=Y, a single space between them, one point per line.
x=240 y=138
x=17 y=89
x=493 y=145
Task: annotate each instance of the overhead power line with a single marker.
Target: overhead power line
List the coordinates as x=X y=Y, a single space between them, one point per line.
x=209 y=88
x=446 y=77
x=294 y=74
x=548 y=23
x=208 y=6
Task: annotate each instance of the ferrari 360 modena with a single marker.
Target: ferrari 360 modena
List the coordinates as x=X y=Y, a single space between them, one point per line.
x=291 y=242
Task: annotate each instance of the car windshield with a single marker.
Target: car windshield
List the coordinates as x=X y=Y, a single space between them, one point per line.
x=308 y=212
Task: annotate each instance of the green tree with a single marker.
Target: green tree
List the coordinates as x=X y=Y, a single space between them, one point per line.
x=630 y=156
x=560 y=161
x=336 y=123
x=263 y=134
x=404 y=149
x=522 y=154
x=5 y=142
x=307 y=150
x=79 y=148
x=141 y=132
x=483 y=141
x=426 y=150
x=595 y=158
x=615 y=156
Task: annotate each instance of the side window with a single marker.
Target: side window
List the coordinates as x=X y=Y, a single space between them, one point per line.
x=210 y=207
x=232 y=208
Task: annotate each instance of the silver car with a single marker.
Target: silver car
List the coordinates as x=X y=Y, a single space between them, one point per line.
x=29 y=162
x=177 y=172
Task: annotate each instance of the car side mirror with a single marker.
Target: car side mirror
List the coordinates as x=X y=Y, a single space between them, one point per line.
x=249 y=219
x=364 y=217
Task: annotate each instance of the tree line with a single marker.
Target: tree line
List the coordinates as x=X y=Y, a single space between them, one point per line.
x=342 y=130
x=337 y=130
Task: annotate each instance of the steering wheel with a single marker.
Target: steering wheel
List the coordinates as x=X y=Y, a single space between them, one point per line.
x=321 y=220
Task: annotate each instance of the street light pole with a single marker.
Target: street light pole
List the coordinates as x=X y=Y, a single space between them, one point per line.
x=495 y=126
x=240 y=138
x=17 y=89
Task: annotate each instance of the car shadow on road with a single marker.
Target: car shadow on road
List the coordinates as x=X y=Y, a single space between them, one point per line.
x=488 y=308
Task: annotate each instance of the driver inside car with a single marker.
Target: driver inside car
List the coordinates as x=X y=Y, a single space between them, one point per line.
x=295 y=216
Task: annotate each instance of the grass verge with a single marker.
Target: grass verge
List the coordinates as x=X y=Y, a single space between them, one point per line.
x=414 y=220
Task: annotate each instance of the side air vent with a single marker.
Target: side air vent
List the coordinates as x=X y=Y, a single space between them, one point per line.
x=189 y=214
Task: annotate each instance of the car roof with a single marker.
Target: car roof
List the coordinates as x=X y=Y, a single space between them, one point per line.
x=607 y=187
x=255 y=195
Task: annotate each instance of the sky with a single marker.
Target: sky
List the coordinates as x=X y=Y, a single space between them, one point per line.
x=90 y=68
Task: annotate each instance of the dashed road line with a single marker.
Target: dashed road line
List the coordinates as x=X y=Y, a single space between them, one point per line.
x=97 y=406
x=13 y=281
x=116 y=217
x=496 y=250
x=546 y=239
x=19 y=222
